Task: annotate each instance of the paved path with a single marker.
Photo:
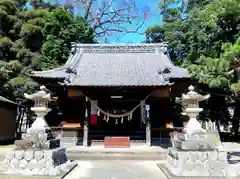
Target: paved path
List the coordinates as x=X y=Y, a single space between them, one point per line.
x=117 y=170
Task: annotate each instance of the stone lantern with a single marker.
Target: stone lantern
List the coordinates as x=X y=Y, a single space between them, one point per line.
x=195 y=152
x=38 y=153
x=191 y=102
x=40 y=108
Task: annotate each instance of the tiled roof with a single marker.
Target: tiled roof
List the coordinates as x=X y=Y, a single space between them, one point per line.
x=117 y=65
x=52 y=73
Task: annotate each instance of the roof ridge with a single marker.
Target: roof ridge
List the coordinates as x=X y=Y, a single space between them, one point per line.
x=117 y=45
x=120 y=48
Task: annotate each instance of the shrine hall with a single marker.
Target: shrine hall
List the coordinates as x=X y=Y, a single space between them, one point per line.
x=106 y=90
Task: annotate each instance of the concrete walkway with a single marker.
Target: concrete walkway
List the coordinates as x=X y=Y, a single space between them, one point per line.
x=117 y=170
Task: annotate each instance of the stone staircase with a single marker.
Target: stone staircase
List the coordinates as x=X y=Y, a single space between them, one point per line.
x=137 y=151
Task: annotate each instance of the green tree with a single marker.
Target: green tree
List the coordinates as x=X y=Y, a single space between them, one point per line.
x=204 y=40
x=20 y=41
x=232 y=54
x=60 y=29
x=28 y=41
x=191 y=4
x=212 y=58
x=171 y=31
x=221 y=73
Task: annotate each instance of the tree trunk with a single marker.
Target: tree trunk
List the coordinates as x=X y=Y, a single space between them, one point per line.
x=236 y=116
x=88 y=9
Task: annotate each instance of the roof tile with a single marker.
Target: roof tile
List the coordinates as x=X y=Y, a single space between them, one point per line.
x=117 y=65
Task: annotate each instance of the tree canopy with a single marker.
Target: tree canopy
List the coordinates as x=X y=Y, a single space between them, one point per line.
x=203 y=37
x=35 y=39
x=39 y=36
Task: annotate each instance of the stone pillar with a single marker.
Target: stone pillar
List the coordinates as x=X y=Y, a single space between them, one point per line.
x=86 y=124
x=148 y=126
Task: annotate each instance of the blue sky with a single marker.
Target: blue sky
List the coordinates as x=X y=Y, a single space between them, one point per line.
x=154 y=18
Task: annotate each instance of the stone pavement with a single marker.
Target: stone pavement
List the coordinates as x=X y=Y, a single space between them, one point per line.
x=231 y=146
x=117 y=170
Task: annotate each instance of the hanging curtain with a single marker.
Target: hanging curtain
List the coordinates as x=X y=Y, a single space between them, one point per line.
x=94 y=113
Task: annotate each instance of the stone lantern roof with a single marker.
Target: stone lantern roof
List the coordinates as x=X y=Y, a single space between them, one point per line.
x=42 y=94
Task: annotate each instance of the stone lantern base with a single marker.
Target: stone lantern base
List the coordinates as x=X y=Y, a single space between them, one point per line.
x=38 y=139
x=35 y=162
x=195 y=151
x=37 y=154
x=196 y=155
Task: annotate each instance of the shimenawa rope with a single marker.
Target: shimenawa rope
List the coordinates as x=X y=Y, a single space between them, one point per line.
x=117 y=115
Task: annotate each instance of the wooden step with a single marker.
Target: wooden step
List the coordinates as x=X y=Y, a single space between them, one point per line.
x=117 y=142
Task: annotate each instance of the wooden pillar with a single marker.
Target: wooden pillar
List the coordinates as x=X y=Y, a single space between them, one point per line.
x=148 y=126
x=86 y=124
x=142 y=113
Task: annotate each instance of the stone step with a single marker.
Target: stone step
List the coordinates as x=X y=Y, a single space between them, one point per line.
x=94 y=155
x=90 y=157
